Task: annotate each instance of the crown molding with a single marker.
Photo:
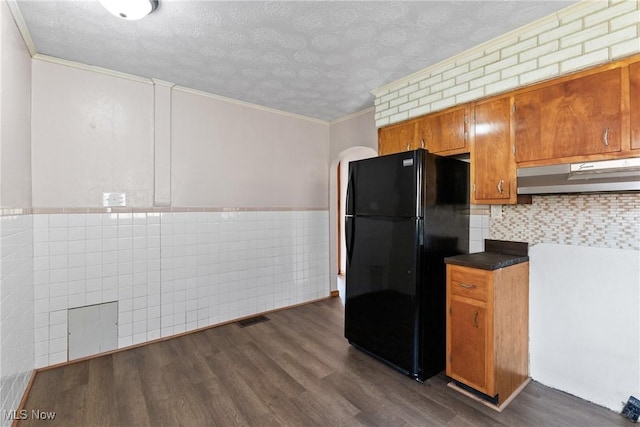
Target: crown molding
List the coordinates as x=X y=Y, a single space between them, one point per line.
x=93 y=68
x=173 y=86
x=22 y=27
x=352 y=115
x=248 y=104
x=159 y=82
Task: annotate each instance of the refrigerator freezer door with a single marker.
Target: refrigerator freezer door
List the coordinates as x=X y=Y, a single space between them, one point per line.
x=381 y=305
x=386 y=186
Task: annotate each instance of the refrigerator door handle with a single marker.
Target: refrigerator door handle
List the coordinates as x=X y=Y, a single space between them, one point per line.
x=350 y=198
x=349 y=226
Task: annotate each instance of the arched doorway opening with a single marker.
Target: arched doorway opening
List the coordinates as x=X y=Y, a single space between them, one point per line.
x=339 y=176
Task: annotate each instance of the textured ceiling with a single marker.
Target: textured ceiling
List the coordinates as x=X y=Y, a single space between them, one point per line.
x=319 y=59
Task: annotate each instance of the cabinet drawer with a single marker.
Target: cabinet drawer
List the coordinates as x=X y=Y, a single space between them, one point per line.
x=469 y=282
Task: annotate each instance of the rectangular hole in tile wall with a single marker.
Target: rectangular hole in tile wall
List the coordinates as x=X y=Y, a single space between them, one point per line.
x=92 y=329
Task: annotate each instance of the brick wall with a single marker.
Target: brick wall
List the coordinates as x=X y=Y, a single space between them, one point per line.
x=584 y=35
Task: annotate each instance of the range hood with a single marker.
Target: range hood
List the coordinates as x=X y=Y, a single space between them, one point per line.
x=589 y=177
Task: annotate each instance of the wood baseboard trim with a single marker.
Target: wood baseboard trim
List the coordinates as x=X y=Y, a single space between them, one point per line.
x=499 y=407
x=335 y=294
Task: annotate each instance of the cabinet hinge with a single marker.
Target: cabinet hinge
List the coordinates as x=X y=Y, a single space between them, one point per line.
x=465 y=135
x=513 y=150
x=513 y=108
x=465 y=119
x=474 y=188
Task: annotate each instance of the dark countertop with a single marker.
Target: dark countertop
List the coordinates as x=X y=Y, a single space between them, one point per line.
x=486 y=260
x=499 y=254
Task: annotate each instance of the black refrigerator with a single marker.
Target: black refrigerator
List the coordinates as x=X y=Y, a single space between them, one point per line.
x=405 y=213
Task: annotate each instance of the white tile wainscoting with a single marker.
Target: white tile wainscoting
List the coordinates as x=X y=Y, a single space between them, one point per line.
x=16 y=308
x=172 y=272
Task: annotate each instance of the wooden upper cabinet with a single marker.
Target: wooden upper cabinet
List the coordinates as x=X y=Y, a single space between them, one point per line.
x=397 y=138
x=577 y=117
x=492 y=162
x=444 y=133
x=590 y=115
x=634 y=100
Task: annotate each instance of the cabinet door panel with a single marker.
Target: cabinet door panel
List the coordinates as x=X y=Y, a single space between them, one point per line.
x=454 y=129
x=443 y=132
x=572 y=118
x=397 y=138
x=468 y=358
x=634 y=96
x=494 y=167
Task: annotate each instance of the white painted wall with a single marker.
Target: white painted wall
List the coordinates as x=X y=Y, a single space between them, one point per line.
x=91 y=133
x=584 y=321
x=356 y=130
x=162 y=143
x=15 y=106
x=226 y=154
x=95 y=133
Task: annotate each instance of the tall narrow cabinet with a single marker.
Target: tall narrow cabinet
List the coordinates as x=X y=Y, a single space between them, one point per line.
x=488 y=330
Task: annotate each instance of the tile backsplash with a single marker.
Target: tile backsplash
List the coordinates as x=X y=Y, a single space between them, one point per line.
x=597 y=220
x=478 y=229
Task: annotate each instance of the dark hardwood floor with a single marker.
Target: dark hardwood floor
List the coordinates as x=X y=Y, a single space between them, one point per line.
x=294 y=370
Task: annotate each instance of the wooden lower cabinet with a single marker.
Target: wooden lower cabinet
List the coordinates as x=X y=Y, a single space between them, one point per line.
x=488 y=329
x=469 y=343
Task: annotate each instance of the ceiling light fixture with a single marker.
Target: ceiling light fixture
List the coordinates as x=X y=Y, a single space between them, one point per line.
x=130 y=9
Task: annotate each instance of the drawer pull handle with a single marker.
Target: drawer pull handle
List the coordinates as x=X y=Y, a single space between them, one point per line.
x=464 y=285
x=475 y=319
